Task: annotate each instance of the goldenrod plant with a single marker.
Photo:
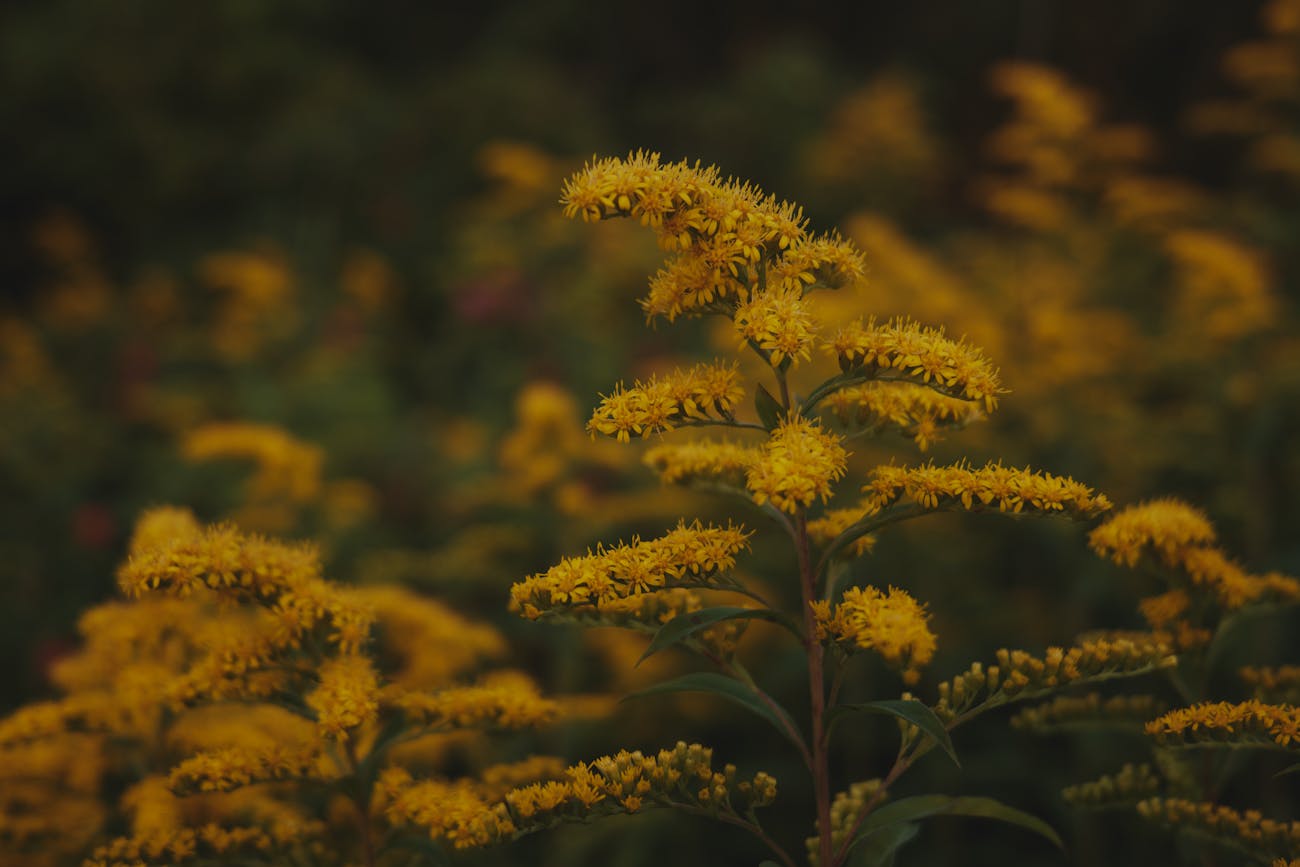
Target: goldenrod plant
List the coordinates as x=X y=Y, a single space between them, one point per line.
x=235 y=707
x=748 y=258
x=1205 y=597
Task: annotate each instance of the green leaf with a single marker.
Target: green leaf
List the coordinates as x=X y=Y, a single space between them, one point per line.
x=683 y=626
x=768 y=408
x=909 y=710
x=925 y=806
x=880 y=849
x=1290 y=769
x=732 y=690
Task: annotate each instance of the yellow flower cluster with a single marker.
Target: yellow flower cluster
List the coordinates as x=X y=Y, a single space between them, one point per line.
x=347 y=696
x=426 y=643
x=904 y=349
x=185 y=844
x=649 y=611
x=1165 y=527
x=836 y=521
x=960 y=486
x=1181 y=539
x=779 y=323
x=234 y=767
x=506 y=700
x=701 y=460
x=689 y=555
x=1166 y=612
x=1019 y=675
x=1227 y=724
x=1224 y=286
x=1088 y=711
x=845 y=809
x=286 y=466
x=730 y=237
x=892 y=623
x=915 y=410
x=1249 y=829
x=626 y=782
x=282 y=579
x=796 y=465
x=1279 y=684
x=705 y=392
x=1131 y=784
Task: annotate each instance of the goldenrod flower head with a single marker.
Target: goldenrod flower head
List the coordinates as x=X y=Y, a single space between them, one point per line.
x=1090 y=710
x=779 y=323
x=1248 y=830
x=222 y=559
x=347 y=697
x=1227 y=723
x=1133 y=783
x=960 y=486
x=892 y=623
x=162 y=526
x=701 y=460
x=507 y=700
x=689 y=555
x=426 y=643
x=902 y=348
x=845 y=809
x=1044 y=98
x=1019 y=675
x=1167 y=527
x=702 y=392
x=286 y=466
x=915 y=410
x=235 y=767
x=1280 y=685
x=836 y=521
x=796 y=465
x=727 y=233
x=623 y=783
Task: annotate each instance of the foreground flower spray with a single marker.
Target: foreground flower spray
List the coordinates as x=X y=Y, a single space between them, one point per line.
x=749 y=258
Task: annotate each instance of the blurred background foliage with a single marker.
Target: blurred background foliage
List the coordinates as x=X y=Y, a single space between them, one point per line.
x=300 y=265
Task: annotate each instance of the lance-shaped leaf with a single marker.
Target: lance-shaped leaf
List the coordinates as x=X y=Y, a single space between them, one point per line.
x=683 y=626
x=908 y=710
x=924 y=806
x=734 y=691
x=881 y=848
x=768 y=408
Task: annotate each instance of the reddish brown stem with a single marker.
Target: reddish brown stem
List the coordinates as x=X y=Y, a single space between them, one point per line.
x=816 y=690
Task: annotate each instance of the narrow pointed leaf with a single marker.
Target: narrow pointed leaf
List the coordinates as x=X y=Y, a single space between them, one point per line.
x=683 y=626
x=881 y=848
x=732 y=690
x=768 y=408
x=1290 y=769
x=924 y=806
x=911 y=711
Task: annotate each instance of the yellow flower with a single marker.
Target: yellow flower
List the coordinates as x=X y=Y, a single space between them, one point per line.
x=689 y=555
x=902 y=348
x=892 y=623
x=962 y=487
x=286 y=466
x=701 y=460
x=347 y=697
x=796 y=465
x=915 y=410
x=1228 y=724
x=727 y=234
x=700 y=394
x=778 y=322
